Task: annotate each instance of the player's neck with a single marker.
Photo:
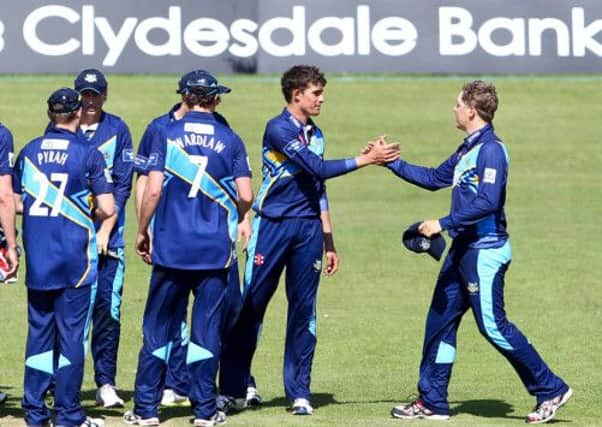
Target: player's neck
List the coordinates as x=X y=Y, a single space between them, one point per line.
x=200 y=109
x=474 y=126
x=71 y=126
x=297 y=113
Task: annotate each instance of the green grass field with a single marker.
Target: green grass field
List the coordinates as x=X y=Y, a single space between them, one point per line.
x=371 y=314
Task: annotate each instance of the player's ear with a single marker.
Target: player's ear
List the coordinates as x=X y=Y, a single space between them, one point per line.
x=296 y=94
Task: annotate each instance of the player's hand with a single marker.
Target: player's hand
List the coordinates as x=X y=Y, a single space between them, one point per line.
x=144 y=246
x=429 y=227
x=244 y=232
x=380 y=152
x=332 y=263
x=12 y=256
x=102 y=241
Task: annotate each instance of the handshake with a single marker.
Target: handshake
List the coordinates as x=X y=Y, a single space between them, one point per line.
x=379 y=152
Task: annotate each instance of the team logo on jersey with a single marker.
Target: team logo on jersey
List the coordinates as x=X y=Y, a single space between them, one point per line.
x=127 y=155
x=489 y=177
x=91 y=78
x=258 y=259
x=425 y=244
x=318 y=265
x=473 y=288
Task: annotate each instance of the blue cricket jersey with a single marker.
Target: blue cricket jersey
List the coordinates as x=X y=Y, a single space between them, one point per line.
x=294 y=169
x=196 y=219
x=6 y=151
x=55 y=174
x=143 y=160
x=478 y=172
x=112 y=138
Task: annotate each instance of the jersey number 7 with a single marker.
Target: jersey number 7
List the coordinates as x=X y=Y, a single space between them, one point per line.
x=201 y=162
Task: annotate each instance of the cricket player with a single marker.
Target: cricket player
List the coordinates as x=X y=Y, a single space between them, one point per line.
x=291 y=229
x=111 y=136
x=177 y=383
x=7 y=210
x=473 y=273
x=55 y=175
x=198 y=191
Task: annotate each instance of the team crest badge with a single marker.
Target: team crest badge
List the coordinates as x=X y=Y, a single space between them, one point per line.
x=91 y=78
x=473 y=288
x=258 y=260
x=318 y=264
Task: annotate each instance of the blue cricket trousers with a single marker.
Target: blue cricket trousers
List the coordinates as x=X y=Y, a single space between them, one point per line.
x=177 y=377
x=475 y=278
x=59 y=320
x=161 y=324
x=106 y=317
x=297 y=244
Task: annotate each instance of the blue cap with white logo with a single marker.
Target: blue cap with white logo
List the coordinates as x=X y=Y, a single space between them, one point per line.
x=63 y=101
x=200 y=82
x=91 y=79
x=416 y=242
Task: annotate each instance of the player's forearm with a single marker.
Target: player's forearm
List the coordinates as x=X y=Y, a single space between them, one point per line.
x=327 y=231
x=7 y=217
x=147 y=210
x=140 y=185
x=109 y=223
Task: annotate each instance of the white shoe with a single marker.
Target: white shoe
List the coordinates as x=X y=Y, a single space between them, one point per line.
x=107 y=397
x=226 y=404
x=217 y=420
x=131 y=418
x=302 y=407
x=93 y=422
x=253 y=397
x=546 y=410
x=171 y=398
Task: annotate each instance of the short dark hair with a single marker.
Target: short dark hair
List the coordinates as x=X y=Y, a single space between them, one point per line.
x=299 y=77
x=482 y=97
x=61 y=118
x=193 y=98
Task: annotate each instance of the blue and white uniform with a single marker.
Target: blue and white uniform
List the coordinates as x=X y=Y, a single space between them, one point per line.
x=287 y=232
x=55 y=174
x=194 y=231
x=177 y=377
x=112 y=138
x=472 y=275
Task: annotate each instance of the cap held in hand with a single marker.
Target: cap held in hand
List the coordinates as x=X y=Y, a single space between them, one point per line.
x=416 y=242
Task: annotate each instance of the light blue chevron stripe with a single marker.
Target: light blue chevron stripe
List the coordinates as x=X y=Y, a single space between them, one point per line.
x=63 y=361
x=197 y=353
x=446 y=353
x=179 y=163
x=107 y=149
x=41 y=362
x=163 y=352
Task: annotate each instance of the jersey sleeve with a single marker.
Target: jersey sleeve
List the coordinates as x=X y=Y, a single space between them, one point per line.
x=18 y=174
x=123 y=167
x=287 y=141
x=142 y=156
x=241 y=166
x=158 y=150
x=99 y=177
x=492 y=170
x=6 y=152
x=426 y=177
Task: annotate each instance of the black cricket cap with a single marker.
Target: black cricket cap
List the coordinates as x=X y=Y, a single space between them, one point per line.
x=200 y=82
x=64 y=100
x=91 y=79
x=416 y=242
